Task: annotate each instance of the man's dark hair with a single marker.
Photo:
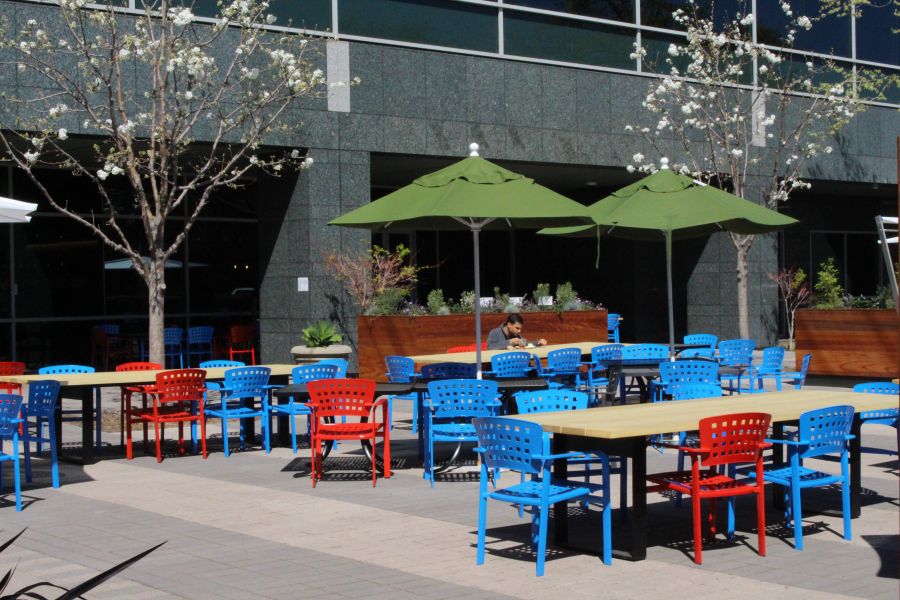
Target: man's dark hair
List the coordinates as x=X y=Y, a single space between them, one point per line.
x=514 y=318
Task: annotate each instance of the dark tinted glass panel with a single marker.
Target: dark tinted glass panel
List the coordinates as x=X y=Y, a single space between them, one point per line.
x=830 y=35
x=5 y=305
x=558 y=38
x=657 y=47
x=436 y=22
x=619 y=10
x=223 y=267
x=308 y=14
x=873 y=85
x=658 y=13
x=876 y=37
x=864 y=264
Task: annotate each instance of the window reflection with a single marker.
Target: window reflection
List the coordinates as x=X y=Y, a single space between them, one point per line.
x=876 y=37
x=617 y=10
x=829 y=35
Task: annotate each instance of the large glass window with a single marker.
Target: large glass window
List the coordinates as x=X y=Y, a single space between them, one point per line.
x=658 y=13
x=435 y=22
x=829 y=35
x=223 y=266
x=308 y=14
x=567 y=40
x=618 y=10
x=876 y=36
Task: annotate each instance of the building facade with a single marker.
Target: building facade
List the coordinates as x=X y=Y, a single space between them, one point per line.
x=544 y=87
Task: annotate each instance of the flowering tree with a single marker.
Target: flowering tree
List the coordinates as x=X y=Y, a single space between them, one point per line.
x=794 y=291
x=742 y=115
x=372 y=273
x=146 y=88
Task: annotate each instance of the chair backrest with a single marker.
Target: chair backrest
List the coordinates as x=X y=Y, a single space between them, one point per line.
x=466 y=348
x=340 y=363
x=201 y=335
x=12 y=368
x=804 y=368
x=246 y=382
x=448 y=370
x=65 y=369
x=707 y=339
x=772 y=360
x=139 y=366
x=180 y=385
x=216 y=364
x=877 y=387
x=42 y=397
x=242 y=335
x=825 y=430
x=10 y=407
x=651 y=351
x=550 y=400
x=612 y=321
x=511 y=444
x=736 y=352
x=511 y=364
x=564 y=359
x=313 y=371
x=733 y=438
x=688 y=371
x=172 y=336
x=697 y=353
x=606 y=352
x=400 y=369
x=695 y=390
x=341 y=397
x=463 y=398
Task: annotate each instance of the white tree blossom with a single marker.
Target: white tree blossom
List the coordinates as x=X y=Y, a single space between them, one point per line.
x=144 y=131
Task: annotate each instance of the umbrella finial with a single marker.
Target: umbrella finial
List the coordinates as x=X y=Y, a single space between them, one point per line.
x=664 y=163
x=473 y=149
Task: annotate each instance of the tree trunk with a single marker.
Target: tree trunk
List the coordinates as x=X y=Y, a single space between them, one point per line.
x=156 y=290
x=743 y=250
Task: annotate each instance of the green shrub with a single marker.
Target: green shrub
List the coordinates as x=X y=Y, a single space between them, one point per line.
x=566 y=297
x=467 y=302
x=436 y=303
x=321 y=334
x=388 y=302
x=829 y=293
x=542 y=290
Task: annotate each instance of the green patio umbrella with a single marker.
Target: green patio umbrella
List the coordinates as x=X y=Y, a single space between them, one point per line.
x=667 y=206
x=473 y=195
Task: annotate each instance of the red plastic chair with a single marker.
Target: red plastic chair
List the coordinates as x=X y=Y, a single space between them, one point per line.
x=177 y=398
x=333 y=398
x=242 y=340
x=11 y=368
x=467 y=348
x=723 y=440
x=128 y=390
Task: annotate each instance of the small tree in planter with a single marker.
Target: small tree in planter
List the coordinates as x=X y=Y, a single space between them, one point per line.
x=829 y=293
x=375 y=277
x=794 y=291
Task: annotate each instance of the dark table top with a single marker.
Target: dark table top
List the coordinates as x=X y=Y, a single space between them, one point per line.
x=513 y=384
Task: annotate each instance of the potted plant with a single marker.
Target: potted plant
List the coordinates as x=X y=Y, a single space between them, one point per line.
x=794 y=292
x=320 y=340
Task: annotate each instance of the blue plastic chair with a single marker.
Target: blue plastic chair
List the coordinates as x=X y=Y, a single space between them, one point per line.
x=559 y=400
x=200 y=343
x=541 y=371
x=511 y=364
x=707 y=339
x=10 y=409
x=449 y=409
x=564 y=364
x=302 y=374
x=448 y=370
x=402 y=369
x=798 y=378
x=242 y=386
x=648 y=351
x=737 y=353
x=505 y=443
x=612 y=327
x=75 y=414
x=772 y=367
x=43 y=403
x=597 y=369
x=683 y=371
x=218 y=364
x=173 y=338
x=887 y=416
x=340 y=363
x=822 y=432
x=708 y=353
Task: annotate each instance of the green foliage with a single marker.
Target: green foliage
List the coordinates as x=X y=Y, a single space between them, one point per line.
x=321 y=334
x=436 y=303
x=542 y=290
x=829 y=293
x=566 y=297
x=389 y=301
x=501 y=300
x=798 y=280
x=467 y=302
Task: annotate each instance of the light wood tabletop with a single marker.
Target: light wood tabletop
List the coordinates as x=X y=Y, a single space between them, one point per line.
x=617 y=422
x=469 y=357
x=114 y=378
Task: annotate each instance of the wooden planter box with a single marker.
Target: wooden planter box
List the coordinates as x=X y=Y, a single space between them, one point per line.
x=855 y=342
x=408 y=336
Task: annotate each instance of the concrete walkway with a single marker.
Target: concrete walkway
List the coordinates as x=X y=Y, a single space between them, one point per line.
x=252 y=526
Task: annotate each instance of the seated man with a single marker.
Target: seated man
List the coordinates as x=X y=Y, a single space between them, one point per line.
x=509 y=335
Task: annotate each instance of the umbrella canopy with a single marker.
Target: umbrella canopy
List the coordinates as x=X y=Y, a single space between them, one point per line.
x=666 y=206
x=472 y=194
x=15 y=211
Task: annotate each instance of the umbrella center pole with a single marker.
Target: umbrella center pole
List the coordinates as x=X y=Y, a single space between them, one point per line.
x=477 y=260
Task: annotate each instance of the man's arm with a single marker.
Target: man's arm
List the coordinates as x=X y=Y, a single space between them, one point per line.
x=496 y=340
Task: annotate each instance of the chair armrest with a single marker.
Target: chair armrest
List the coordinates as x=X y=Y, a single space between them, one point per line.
x=495 y=403
x=214 y=385
x=381 y=401
x=785 y=442
x=558 y=456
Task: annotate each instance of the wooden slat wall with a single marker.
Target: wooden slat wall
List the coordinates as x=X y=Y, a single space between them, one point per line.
x=409 y=336
x=861 y=343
